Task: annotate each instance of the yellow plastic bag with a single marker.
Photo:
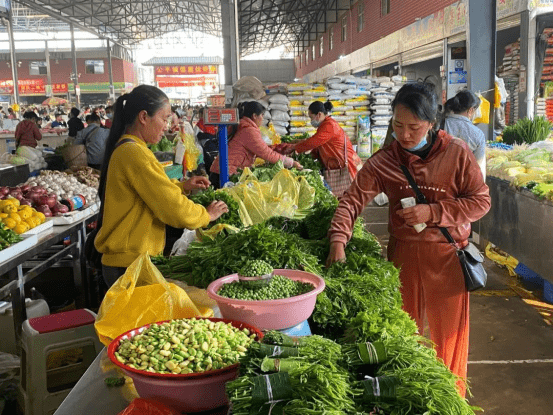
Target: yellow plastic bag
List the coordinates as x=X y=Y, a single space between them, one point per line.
x=191 y=152
x=508 y=261
x=142 y=296
x=483 y=111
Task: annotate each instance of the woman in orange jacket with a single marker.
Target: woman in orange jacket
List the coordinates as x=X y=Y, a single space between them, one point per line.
x=447 y=173
x=327 y=144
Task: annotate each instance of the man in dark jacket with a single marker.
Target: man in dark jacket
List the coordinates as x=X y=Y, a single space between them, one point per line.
x=74 y=124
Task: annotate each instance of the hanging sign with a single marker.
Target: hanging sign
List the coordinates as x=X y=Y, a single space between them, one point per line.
x=186 y=70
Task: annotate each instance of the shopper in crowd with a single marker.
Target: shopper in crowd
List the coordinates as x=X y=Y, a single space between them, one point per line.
x=3 y=113
x=327 y=144
x=74 y=124
x=11 y=114
x=446 y=171
x=174 y=120
x=137 y=196
x=59 y=121
x=109 y=116
x=94 y=137
x=247 y=143
x=459 y=114
x=27 y=132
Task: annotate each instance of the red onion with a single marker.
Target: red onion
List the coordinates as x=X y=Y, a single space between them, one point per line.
x=26 y=202
x=48 y=200
x=25 y=188
x=4 y=190
x=45 y=209
x=38 y=189
x=59 y=208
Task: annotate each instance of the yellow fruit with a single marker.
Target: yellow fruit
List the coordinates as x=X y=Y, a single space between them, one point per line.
x=40 y=215
x=3 y=215
x=10 y=223
x=25 y=213
x=24 y=207
x=15 y=217
x=9 y=208
x=5 y=202
x=21 y=228
x=15 y=202
x=30 y=222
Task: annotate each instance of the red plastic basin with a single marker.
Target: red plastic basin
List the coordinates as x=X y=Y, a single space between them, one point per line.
x=270 y=314
x=190 y=392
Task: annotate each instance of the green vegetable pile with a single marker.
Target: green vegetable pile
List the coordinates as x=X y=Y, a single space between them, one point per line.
x=361 y=303
x=279 y=287
x=8 y=237
x=255 y=268
x=185 y=346
x=164 y=145
x=527 y=131
x=114 y=381
x=232 y=217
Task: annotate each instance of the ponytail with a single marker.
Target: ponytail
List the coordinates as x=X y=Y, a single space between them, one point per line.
x=127 y=107
x=463 y=101
x=249 y=108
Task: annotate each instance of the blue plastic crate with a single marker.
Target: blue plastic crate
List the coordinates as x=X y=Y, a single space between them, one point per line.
x=528 y=275
x=301 y=329
x=548 y=291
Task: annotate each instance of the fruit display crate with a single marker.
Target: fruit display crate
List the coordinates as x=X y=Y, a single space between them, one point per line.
x=28 y=242
x=40 y=228
x=72 y=217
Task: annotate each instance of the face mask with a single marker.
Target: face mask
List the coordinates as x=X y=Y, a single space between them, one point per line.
x=315 y=123
x=417 y=147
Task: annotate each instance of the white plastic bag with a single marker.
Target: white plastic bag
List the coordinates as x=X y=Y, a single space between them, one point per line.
x=181 y=245
x=280 y=115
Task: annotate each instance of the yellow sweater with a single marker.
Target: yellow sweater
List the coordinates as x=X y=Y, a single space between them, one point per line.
x=140 y=200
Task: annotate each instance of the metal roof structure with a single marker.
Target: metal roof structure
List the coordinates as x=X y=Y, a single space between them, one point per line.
x=263 y=24
x=187 y=60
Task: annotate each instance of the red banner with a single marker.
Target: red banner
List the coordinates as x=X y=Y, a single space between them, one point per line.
x=31 y=87
x=179 y=81
x=186 y=70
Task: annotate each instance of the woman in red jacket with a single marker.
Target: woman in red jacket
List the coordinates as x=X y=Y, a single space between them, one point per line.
x=327 y=144
x=247 y=144
x=447 y=173
x=27 y=132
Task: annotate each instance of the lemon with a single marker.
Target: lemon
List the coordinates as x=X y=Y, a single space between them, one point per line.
x=25 y=213
x=9 y=208
x=22 y=227
x=30 y=222
x=10 y=223
x=15 y=217
x=40 y=216
x=16 y=202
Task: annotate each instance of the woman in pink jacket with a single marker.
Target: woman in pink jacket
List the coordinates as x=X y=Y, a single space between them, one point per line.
x=447 y=173
x=247 y=144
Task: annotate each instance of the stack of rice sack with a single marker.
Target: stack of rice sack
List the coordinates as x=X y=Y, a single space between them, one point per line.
x=382 y=95
x=350 y=98
x=511 y=59
x=279 y=113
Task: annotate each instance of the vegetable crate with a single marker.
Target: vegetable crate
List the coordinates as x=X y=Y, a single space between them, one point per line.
x=548 y=291
x=528 y=275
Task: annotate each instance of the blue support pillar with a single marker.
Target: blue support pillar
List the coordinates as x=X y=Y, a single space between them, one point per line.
x=481 y=44
x=223 y=155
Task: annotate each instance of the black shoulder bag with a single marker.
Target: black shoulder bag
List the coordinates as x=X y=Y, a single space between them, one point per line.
x=470 y=257
x=93 y=257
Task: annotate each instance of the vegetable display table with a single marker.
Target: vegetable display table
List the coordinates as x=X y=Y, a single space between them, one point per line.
x=42 y=256
x=521 y=225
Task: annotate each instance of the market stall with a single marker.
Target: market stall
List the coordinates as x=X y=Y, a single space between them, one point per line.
x=276 y=224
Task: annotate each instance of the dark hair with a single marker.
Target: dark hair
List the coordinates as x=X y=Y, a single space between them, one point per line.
x=463 y=101
x=420 y=98
x=30 y=115
x=10 y=109
x=58 y=114
x=75 y=112
x=127 y=107
x=318 y=106
x=93 y=117
x=109 y=108
x=249 y=108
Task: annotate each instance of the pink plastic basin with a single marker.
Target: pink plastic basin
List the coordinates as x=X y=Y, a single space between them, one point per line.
x=192 y=392
x=270 y=314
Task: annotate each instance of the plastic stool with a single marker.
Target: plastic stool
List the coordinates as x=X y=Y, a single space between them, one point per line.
x=41 y=391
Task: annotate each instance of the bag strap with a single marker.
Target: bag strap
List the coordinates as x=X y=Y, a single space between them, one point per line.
x=422 y=199
x=101 y=213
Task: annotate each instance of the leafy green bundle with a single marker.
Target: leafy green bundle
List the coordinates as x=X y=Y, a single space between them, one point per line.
x=527 y=131
x=205 y=197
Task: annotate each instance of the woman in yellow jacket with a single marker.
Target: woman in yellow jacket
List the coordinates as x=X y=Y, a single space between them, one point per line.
x=137 y=196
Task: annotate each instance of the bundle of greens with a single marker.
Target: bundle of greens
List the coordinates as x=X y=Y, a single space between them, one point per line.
x=164 y=145
x=302 y=387
x=205 y=197
x=527 y=131
x=206 y=261
x=308 y=162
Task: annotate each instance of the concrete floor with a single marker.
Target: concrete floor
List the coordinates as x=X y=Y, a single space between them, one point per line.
x=511 y=346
